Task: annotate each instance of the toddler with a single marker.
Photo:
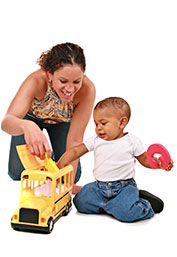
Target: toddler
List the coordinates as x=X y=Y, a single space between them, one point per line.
x=114 y=190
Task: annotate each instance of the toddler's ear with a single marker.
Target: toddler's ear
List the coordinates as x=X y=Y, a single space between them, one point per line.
x=123 y=122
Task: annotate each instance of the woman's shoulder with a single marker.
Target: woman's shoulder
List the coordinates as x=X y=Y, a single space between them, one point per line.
x=87 y=91
x=88 y=86
x=39 y=76
x=37 y=81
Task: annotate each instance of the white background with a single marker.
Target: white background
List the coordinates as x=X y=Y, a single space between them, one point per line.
x=131 y=51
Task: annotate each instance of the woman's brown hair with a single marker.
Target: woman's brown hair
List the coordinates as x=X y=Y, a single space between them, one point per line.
x=60 y=55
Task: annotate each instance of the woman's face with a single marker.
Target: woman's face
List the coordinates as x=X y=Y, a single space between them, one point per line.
x=67 y=81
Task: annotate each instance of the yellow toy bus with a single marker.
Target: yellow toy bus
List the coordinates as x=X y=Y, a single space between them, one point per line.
x=45 y=193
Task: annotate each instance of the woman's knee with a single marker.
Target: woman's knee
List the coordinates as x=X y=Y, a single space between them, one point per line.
x=13 y=175
x=15 y=166
x=78 y=173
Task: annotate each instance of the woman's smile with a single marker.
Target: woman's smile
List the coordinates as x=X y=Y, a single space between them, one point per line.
x=67 y=95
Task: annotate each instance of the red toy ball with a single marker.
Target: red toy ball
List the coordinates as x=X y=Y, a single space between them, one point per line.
x=164 y=158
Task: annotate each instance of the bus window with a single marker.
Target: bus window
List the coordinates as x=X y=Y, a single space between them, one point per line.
x=63 y=183
x=25 y=183
x=43 y=189
x=58 y=187
x=36 y=187
x=62 y=187
x=67 y=180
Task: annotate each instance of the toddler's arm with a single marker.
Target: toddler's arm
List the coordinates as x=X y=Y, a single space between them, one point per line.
x=71 y=155
x=143 y=160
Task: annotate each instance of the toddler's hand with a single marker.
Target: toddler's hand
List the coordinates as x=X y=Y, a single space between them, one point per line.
x=170 y=165
x=168 y=168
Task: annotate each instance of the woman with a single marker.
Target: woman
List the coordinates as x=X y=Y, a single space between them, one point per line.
x=59 y=98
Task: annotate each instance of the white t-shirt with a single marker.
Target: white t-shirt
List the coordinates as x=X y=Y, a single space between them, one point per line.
x=114 y=160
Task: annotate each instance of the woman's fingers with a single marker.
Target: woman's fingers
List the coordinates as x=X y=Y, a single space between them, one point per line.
x=40 y=148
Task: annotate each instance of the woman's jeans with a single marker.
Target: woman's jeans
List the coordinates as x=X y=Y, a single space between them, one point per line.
x=119 y=199
x=57 y=135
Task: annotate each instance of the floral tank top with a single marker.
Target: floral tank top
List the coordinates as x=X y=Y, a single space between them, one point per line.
x=51 y=109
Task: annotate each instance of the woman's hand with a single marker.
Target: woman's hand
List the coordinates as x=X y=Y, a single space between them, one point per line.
x=36 y=140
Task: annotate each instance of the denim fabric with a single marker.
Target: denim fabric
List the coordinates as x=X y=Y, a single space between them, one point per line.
x=57 y=134
x=119 y=199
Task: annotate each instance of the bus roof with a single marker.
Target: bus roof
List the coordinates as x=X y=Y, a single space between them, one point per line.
x=28 y=160
x=37 y=168
x=32 y=162
x=43 y=174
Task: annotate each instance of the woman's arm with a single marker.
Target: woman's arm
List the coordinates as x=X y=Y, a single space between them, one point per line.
x=13 y=122
x=84 y=101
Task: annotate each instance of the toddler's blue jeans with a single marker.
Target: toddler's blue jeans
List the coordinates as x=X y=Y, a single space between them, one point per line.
x=119 y=199
x=57 y=135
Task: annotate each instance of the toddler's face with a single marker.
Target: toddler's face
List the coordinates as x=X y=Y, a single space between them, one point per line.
x=107 y=123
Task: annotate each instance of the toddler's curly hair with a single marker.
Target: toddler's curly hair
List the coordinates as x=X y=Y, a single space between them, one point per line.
x=116 y=103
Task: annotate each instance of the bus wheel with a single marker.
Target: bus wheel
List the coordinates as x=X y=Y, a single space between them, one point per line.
x=50 y=225
x=66 y=210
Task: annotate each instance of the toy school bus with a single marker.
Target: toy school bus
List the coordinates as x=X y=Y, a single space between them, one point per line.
x=45 y=193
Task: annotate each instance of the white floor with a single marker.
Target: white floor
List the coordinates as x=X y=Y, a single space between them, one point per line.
x=78 y=234
x=130 y=48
